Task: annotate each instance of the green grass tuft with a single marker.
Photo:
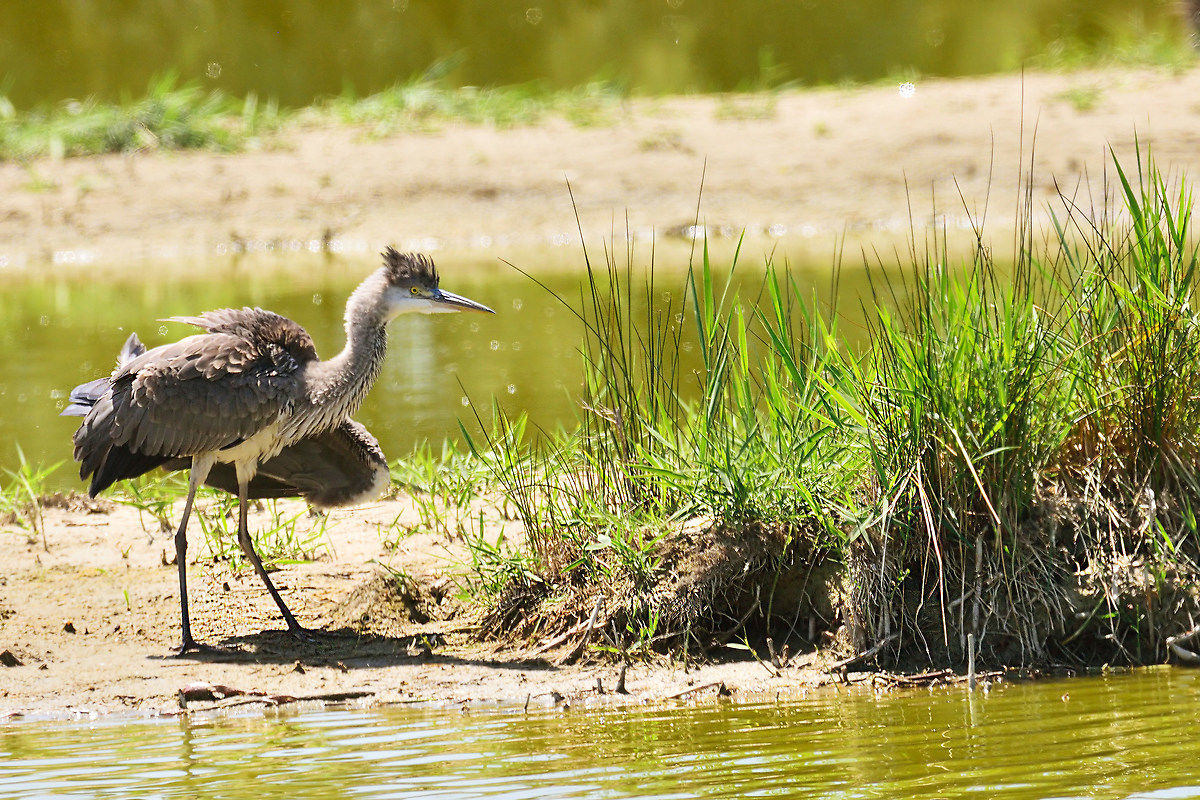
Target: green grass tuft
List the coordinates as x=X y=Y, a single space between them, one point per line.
x=169 y=117
x=186 y=117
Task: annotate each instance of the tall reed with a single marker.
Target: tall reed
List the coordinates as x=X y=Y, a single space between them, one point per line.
x=1008 y=447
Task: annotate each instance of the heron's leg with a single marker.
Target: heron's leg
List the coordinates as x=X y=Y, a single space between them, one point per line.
x=248 y=548
x=200 y=467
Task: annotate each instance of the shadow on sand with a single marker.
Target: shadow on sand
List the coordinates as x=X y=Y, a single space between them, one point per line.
x=343 y=649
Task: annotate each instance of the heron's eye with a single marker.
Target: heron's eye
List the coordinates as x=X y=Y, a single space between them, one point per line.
x=415 y=290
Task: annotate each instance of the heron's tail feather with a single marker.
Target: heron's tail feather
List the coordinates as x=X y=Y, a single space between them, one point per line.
x=86 y=395
x=132 y=348
x=83 y=397
x=98 y=456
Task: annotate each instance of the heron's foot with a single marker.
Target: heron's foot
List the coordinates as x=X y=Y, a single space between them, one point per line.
x=191 y=646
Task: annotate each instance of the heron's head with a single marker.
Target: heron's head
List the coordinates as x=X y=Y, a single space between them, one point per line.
x=412 y=287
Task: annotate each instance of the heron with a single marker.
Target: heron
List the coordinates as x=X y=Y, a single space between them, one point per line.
x=249 y=408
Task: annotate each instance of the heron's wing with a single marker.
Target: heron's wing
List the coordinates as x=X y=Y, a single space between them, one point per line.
x=256 y=325
x=341 y=466
x=199 y=394
x=202 y=393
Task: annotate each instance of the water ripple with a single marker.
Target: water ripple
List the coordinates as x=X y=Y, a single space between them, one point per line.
x=1127 y=737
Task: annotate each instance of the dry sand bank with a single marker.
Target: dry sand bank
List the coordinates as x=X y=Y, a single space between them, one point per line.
x=810 y=163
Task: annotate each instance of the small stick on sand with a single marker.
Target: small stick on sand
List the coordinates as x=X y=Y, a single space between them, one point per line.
x=863 y=656
x=250 y=698
x=326 y=697
x=1184 y=654
x=719 y=684
x=724 y=637
x=557 y=640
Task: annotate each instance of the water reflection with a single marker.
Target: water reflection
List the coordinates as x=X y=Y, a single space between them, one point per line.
x=1117 y=737
x=61 y=331
x=295 y=50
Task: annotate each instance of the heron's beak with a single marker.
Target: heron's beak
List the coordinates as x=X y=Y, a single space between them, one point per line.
x=457 y=302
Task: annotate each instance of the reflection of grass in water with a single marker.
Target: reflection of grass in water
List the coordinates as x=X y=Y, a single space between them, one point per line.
x=1139 y=46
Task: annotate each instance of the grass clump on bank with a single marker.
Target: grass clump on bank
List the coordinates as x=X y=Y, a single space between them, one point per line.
x=425 y=101
x=693 y=444
x=1010 y=453
x=169 y=117
x=186 y=117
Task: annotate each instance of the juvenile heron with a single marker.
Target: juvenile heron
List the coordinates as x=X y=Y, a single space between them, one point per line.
x=249 y=408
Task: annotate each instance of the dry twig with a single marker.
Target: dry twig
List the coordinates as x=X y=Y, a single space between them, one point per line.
x=722 y=690
x=864 y=655
x=573 y=656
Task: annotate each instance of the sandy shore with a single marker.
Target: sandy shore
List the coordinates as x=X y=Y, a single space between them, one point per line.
x=88 y=620
x=809 y=164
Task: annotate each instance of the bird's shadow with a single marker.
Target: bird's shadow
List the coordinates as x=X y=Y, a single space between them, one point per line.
x=344 y=649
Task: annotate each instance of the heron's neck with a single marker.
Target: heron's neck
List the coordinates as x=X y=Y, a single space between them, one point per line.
x=342 y=381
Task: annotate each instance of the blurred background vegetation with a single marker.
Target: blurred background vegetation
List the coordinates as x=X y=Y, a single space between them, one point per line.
x=299 y=50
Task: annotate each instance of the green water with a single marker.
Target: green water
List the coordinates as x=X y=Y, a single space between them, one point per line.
x=1128 y=736
x=295 y=50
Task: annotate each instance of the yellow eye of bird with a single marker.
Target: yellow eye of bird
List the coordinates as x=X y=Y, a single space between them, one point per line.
x=415 y=290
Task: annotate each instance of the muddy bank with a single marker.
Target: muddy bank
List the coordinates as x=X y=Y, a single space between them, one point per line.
x=809 y=164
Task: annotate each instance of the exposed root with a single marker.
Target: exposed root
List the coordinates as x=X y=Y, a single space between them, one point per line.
x=711 y=583
x=1082 y=581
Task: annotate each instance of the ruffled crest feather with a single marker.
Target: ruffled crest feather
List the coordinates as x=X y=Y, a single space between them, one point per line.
x=410 y=269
